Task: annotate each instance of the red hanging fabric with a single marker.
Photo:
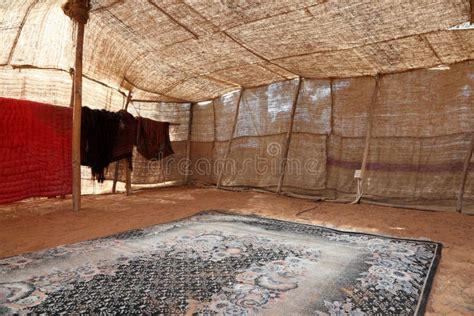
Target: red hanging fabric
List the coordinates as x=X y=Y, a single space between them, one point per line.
x=35 y=150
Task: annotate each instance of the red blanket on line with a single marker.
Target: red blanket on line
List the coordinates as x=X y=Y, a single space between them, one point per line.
x=35 y=150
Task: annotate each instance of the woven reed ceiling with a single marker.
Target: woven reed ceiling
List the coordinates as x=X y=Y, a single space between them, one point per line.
x=194 y=50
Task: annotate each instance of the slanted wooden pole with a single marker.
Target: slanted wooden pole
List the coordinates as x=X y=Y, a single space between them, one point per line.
x=465 y=170
x=77 y=10
x=116 y=172
x=117 y=163
x=128 y=179
x=229 y=143
x=127 y=102
x=288 y=137
x=368 y=135
x=188 y=146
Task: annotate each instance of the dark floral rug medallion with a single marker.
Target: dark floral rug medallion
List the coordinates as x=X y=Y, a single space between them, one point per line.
x=221 y=264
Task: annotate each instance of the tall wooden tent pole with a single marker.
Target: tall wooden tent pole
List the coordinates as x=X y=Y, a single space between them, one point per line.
x=117 y=163
x=288 y=137
x=78 y=11
x=467 y=161
x=76 y=122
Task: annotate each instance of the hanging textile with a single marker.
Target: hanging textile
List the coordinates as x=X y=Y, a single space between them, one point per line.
x=106 y=137
x=98 y=131
x=126 y=137
x=35 y=150
x=153 y=139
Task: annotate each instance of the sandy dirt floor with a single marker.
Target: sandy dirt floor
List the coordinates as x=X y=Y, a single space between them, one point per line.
x=43 y=223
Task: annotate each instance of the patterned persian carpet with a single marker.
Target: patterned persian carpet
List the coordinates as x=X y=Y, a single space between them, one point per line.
x=222 y=264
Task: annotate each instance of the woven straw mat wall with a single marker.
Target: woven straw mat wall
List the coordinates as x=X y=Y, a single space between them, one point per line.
x=422 y=122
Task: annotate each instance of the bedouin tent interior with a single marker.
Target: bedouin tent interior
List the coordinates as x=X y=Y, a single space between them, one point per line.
x=248 y=157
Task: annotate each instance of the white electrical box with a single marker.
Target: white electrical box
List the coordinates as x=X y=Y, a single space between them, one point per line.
x=358 y=174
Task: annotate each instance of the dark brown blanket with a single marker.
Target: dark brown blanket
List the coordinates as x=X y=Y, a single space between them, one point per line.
x=125 y=138
x=153 y=140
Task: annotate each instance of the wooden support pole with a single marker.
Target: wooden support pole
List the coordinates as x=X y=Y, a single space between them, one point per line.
x=116 y=172
x=288 y=137
x=129 y=99
x=188 y=146
x=128 y=179
x=78 y=10
x=229 y=143
x=76 y=121
x=368 y=135
x=465 y=170
x=472 y=11
x=117 y=163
